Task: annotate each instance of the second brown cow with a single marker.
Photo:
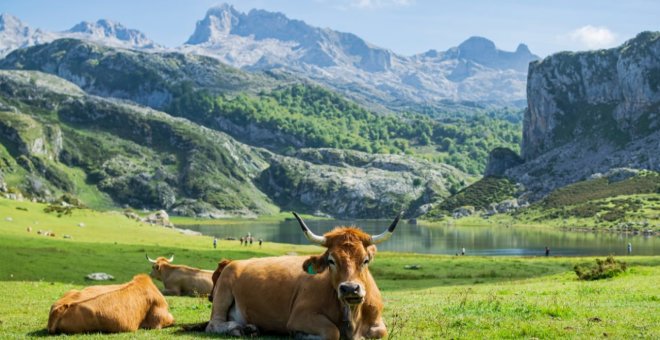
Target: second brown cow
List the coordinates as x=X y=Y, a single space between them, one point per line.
x=179 y=279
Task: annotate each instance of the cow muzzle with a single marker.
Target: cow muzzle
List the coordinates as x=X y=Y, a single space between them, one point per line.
x=351 y=292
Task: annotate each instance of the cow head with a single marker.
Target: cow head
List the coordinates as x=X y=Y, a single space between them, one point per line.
x=157 y=265
x=349 y=252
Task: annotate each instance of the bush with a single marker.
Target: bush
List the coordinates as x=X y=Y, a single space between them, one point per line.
x=604 y=269
x=59 y=209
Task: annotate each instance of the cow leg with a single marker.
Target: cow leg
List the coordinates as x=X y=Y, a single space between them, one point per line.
x=229 y=327
x=312 y=326
x=158 y=317
x=223 y=300
x=376 y=331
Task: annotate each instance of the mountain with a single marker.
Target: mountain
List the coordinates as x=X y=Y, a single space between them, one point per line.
x=590 y=113
x=474 y=71
x=15 y=34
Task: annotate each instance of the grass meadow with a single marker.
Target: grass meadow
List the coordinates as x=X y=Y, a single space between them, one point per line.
x=449 y=297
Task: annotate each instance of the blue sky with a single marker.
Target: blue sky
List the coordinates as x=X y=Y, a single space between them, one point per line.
x=404 y=26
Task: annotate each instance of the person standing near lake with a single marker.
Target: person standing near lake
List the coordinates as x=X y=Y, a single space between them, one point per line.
x=629 y=248
x=463 y=251
x=547 y=251
x=215 y=242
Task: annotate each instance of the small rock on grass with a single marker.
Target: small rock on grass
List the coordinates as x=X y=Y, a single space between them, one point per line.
x=99 y=277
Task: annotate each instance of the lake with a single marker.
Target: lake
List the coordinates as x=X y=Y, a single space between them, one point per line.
x=478 y=240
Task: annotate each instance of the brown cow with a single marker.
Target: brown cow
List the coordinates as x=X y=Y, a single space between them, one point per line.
x=181 y=280
x=112 y=309
x=296 y=294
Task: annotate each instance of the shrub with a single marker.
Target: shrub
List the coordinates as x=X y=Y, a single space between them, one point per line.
x=59 y=209
x=604 y=269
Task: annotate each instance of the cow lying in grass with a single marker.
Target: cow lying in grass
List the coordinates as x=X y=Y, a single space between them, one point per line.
x=112 y=309
x=181 y=280
x=328 y=296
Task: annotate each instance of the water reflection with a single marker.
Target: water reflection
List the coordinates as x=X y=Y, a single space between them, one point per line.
x=485 y=240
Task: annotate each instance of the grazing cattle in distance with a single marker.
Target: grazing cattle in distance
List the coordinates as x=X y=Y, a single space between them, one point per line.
x=29 y=229
x=112 y=309
x=179 y=279
x=330 y=296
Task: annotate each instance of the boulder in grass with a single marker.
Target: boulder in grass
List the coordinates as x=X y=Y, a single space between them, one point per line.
x=99 y=277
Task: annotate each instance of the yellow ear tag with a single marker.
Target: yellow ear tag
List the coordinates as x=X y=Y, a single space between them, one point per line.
x=310 y=269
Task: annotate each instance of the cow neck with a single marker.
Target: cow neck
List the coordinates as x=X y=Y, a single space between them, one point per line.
x=350 y=315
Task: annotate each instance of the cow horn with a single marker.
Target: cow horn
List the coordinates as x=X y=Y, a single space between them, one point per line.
x=148 y=258
x=171 y=258
x=387 y=233
x=320 y=240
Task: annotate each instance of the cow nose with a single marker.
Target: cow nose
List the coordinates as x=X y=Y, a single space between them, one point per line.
x=349 y=288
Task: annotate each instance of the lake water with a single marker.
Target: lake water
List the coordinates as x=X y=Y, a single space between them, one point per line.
x=485 y=240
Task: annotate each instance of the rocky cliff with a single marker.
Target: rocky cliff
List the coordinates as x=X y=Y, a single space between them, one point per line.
x=589 y=112
x=607 y=94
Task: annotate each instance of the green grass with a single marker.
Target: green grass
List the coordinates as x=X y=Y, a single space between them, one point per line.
x=449 y=297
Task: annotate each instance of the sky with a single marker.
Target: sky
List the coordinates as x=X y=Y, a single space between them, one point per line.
x=404 y=26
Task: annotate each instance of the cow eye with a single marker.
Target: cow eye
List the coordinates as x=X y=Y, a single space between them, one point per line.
x=331 y=262
x=366 y=261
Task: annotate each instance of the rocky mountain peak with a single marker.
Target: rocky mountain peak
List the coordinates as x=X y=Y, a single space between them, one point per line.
x=107 y=29
x=217 y=23
x=224 y=20
x=483 y=51
x=476 y=47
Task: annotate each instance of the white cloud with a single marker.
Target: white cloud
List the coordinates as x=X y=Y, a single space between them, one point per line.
x=593 y=37
x=369 y=4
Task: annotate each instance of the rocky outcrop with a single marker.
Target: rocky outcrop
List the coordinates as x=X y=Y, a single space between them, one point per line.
x=590 y=112
x=350 y=184
x=499 y=160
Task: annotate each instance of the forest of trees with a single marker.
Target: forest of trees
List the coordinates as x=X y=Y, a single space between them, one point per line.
x=320 y=118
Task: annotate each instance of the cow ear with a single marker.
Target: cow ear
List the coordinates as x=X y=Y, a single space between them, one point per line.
x=315 y=264
x=371 y=250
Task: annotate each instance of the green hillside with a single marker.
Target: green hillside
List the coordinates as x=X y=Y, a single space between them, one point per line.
x=136 y=156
